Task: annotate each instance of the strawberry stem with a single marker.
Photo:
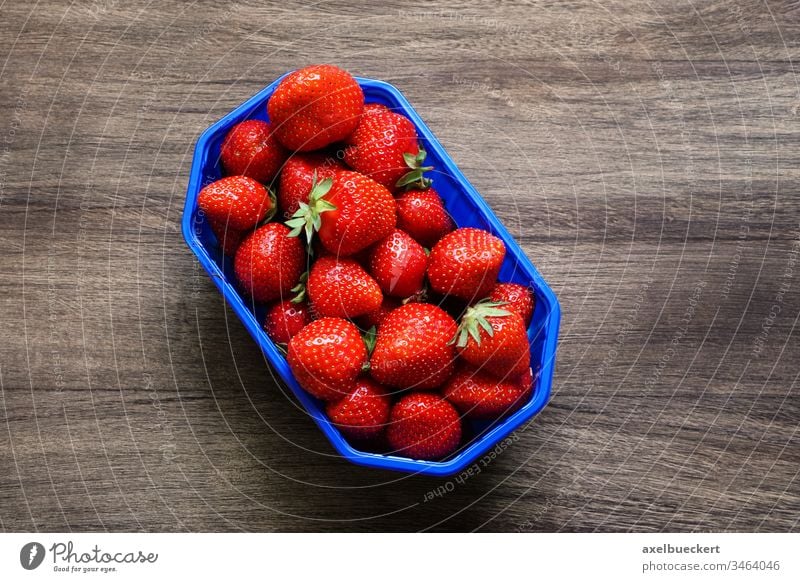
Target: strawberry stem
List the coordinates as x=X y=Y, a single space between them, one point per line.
x=415 y=178
x=300 y=289
x=370 y=337
x=474 y=319
x=307 y=218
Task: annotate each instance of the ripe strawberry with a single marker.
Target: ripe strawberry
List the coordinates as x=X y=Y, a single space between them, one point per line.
x=326 y=357
x=423 y=426
x=478 y=395
x=229 y=239
x=413 y=347
x=285 y=319
x=297 y=179
x=362 y=414
x=398 y=263
x=375 y=318
x=350 y=212
x=465 y=263
x=269 y=262
x=250 y=150
x=421 y=214
x=517 y=298
x=385 y=148
x=238 y=202
x=342 y=288
x=494 y=340
x=315 y=106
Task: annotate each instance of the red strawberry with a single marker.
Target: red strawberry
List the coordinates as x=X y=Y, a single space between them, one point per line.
x=342 y=288
x=228 y=238
x=285 y=319
x=465 y=263
x=238 y=202
x=315 y=106
x=413 y=347
x=424 y=426
x=326 y=357
x=250 y=150
x=297 y=179
x=517 y=298
x=350 y=212
x=398 y=264
x=269 y=262
x=362 y=414
x=371 y=108
x=421 y=214
x=478 y=395
x=375 y=318
x=494 y=340
x=384 y=147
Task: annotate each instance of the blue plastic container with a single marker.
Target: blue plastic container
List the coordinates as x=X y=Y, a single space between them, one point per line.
x=467 y=209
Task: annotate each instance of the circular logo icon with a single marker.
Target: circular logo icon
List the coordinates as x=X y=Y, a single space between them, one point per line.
x=31 y=555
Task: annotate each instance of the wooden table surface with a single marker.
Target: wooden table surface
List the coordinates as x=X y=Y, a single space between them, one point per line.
x=645 y=155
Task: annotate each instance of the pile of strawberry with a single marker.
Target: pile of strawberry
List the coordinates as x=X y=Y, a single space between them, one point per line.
x=387 y=312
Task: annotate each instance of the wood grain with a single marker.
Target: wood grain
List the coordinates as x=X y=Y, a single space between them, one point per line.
x=644 y=154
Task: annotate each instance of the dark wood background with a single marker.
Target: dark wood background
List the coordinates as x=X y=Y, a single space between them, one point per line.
x=646 y=156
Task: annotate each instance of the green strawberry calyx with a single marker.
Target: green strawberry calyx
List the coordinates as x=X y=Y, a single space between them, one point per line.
x=369 y=337
x=415 y=178
x=474 y=319
x=308 y=216
x=299 y=290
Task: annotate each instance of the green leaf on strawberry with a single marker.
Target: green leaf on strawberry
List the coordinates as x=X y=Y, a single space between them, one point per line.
x=474 y=320
x=369 y=339
x=300 y=289
x=307 y=218
x=415 y=178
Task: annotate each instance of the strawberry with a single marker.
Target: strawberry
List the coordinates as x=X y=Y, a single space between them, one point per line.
x=398 y=263
x=413 y=348
x=423 y=426
x=285 y=319
x=494 y=340
x=326 y=357
x=314 y=107
x=342 y=288
x=237 y=202
x=465 y=263
x=350 y=212
x=478 y=395
x=375 y=318
x=269 y=262
x=250 y=150
x=385 y=148
x=363 y=413
x=297 y=179
x=517 y=298
x=229 y=239
x=421 y=214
